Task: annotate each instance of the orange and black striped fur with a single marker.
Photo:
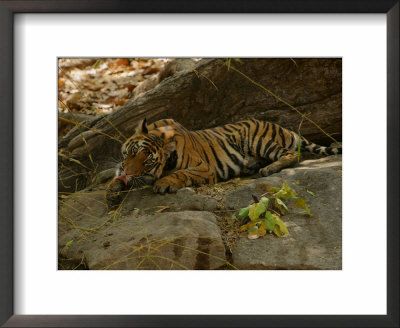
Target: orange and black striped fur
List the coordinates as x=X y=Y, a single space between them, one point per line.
x=173 y=157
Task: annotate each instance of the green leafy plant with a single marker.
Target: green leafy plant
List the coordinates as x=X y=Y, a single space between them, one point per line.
x=264 y=215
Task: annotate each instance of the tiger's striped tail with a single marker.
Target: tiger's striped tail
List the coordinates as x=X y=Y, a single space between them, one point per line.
x=317 y=149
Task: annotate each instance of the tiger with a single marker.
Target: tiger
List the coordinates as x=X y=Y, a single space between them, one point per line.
x=170 y=157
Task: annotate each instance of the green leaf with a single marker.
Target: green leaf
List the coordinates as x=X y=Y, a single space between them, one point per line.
x=281 y=225
x=281 y=203
x=244 y=211
x=301 y=203
x=290 y=193
x=238 y=60
x=285 y=192
x=269 y=221
x=277 y=231
x=252 y=229
x=265 y=201
x=274 y=189
x=311 y=193
x=256 y=210
x=234 y=217
x=280 y=228
x=69 y=242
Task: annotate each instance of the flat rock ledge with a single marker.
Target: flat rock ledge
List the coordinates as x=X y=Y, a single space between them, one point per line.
x=180 y=231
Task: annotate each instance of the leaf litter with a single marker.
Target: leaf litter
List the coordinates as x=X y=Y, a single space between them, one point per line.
x=99 y=86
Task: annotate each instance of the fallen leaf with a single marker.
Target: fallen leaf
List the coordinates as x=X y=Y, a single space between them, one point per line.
x=256 y=210
x=255 y=236
x=123 y=62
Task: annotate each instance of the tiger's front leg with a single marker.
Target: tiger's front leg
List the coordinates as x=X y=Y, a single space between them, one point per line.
x=185 y=178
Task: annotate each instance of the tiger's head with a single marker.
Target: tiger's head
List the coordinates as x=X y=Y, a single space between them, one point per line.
x=144 y=156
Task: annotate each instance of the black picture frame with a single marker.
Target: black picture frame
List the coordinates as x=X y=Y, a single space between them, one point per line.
x=7 y=11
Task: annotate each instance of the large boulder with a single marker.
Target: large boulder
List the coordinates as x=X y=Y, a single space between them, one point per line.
x=91 y=235
x=166 y=241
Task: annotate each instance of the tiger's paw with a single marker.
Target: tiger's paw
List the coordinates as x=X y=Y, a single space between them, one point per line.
x=268 y=170
x=167 y=184
x=113 y=192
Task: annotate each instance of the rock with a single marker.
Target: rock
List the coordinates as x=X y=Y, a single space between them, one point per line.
x=176 y=240
x=242 y=196
x=88 y=232
x=67 y=121
x=83 y=209
x=172 y=67
x=313 y=242
x=185 y=199
x=89 y=205
x=174 y=230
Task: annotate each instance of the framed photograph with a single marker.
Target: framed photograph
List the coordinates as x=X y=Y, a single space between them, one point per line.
x=178 y=164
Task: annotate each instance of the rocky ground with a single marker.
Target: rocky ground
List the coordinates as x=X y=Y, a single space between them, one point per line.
x=194 y=229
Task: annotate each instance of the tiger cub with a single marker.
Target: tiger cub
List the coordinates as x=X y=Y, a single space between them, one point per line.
x=171 y=157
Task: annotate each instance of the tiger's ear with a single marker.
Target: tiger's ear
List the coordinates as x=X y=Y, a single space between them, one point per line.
x=142 y=128
x=169 y=148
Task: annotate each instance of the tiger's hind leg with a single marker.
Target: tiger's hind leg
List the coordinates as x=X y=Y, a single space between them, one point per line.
x=281 y=157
